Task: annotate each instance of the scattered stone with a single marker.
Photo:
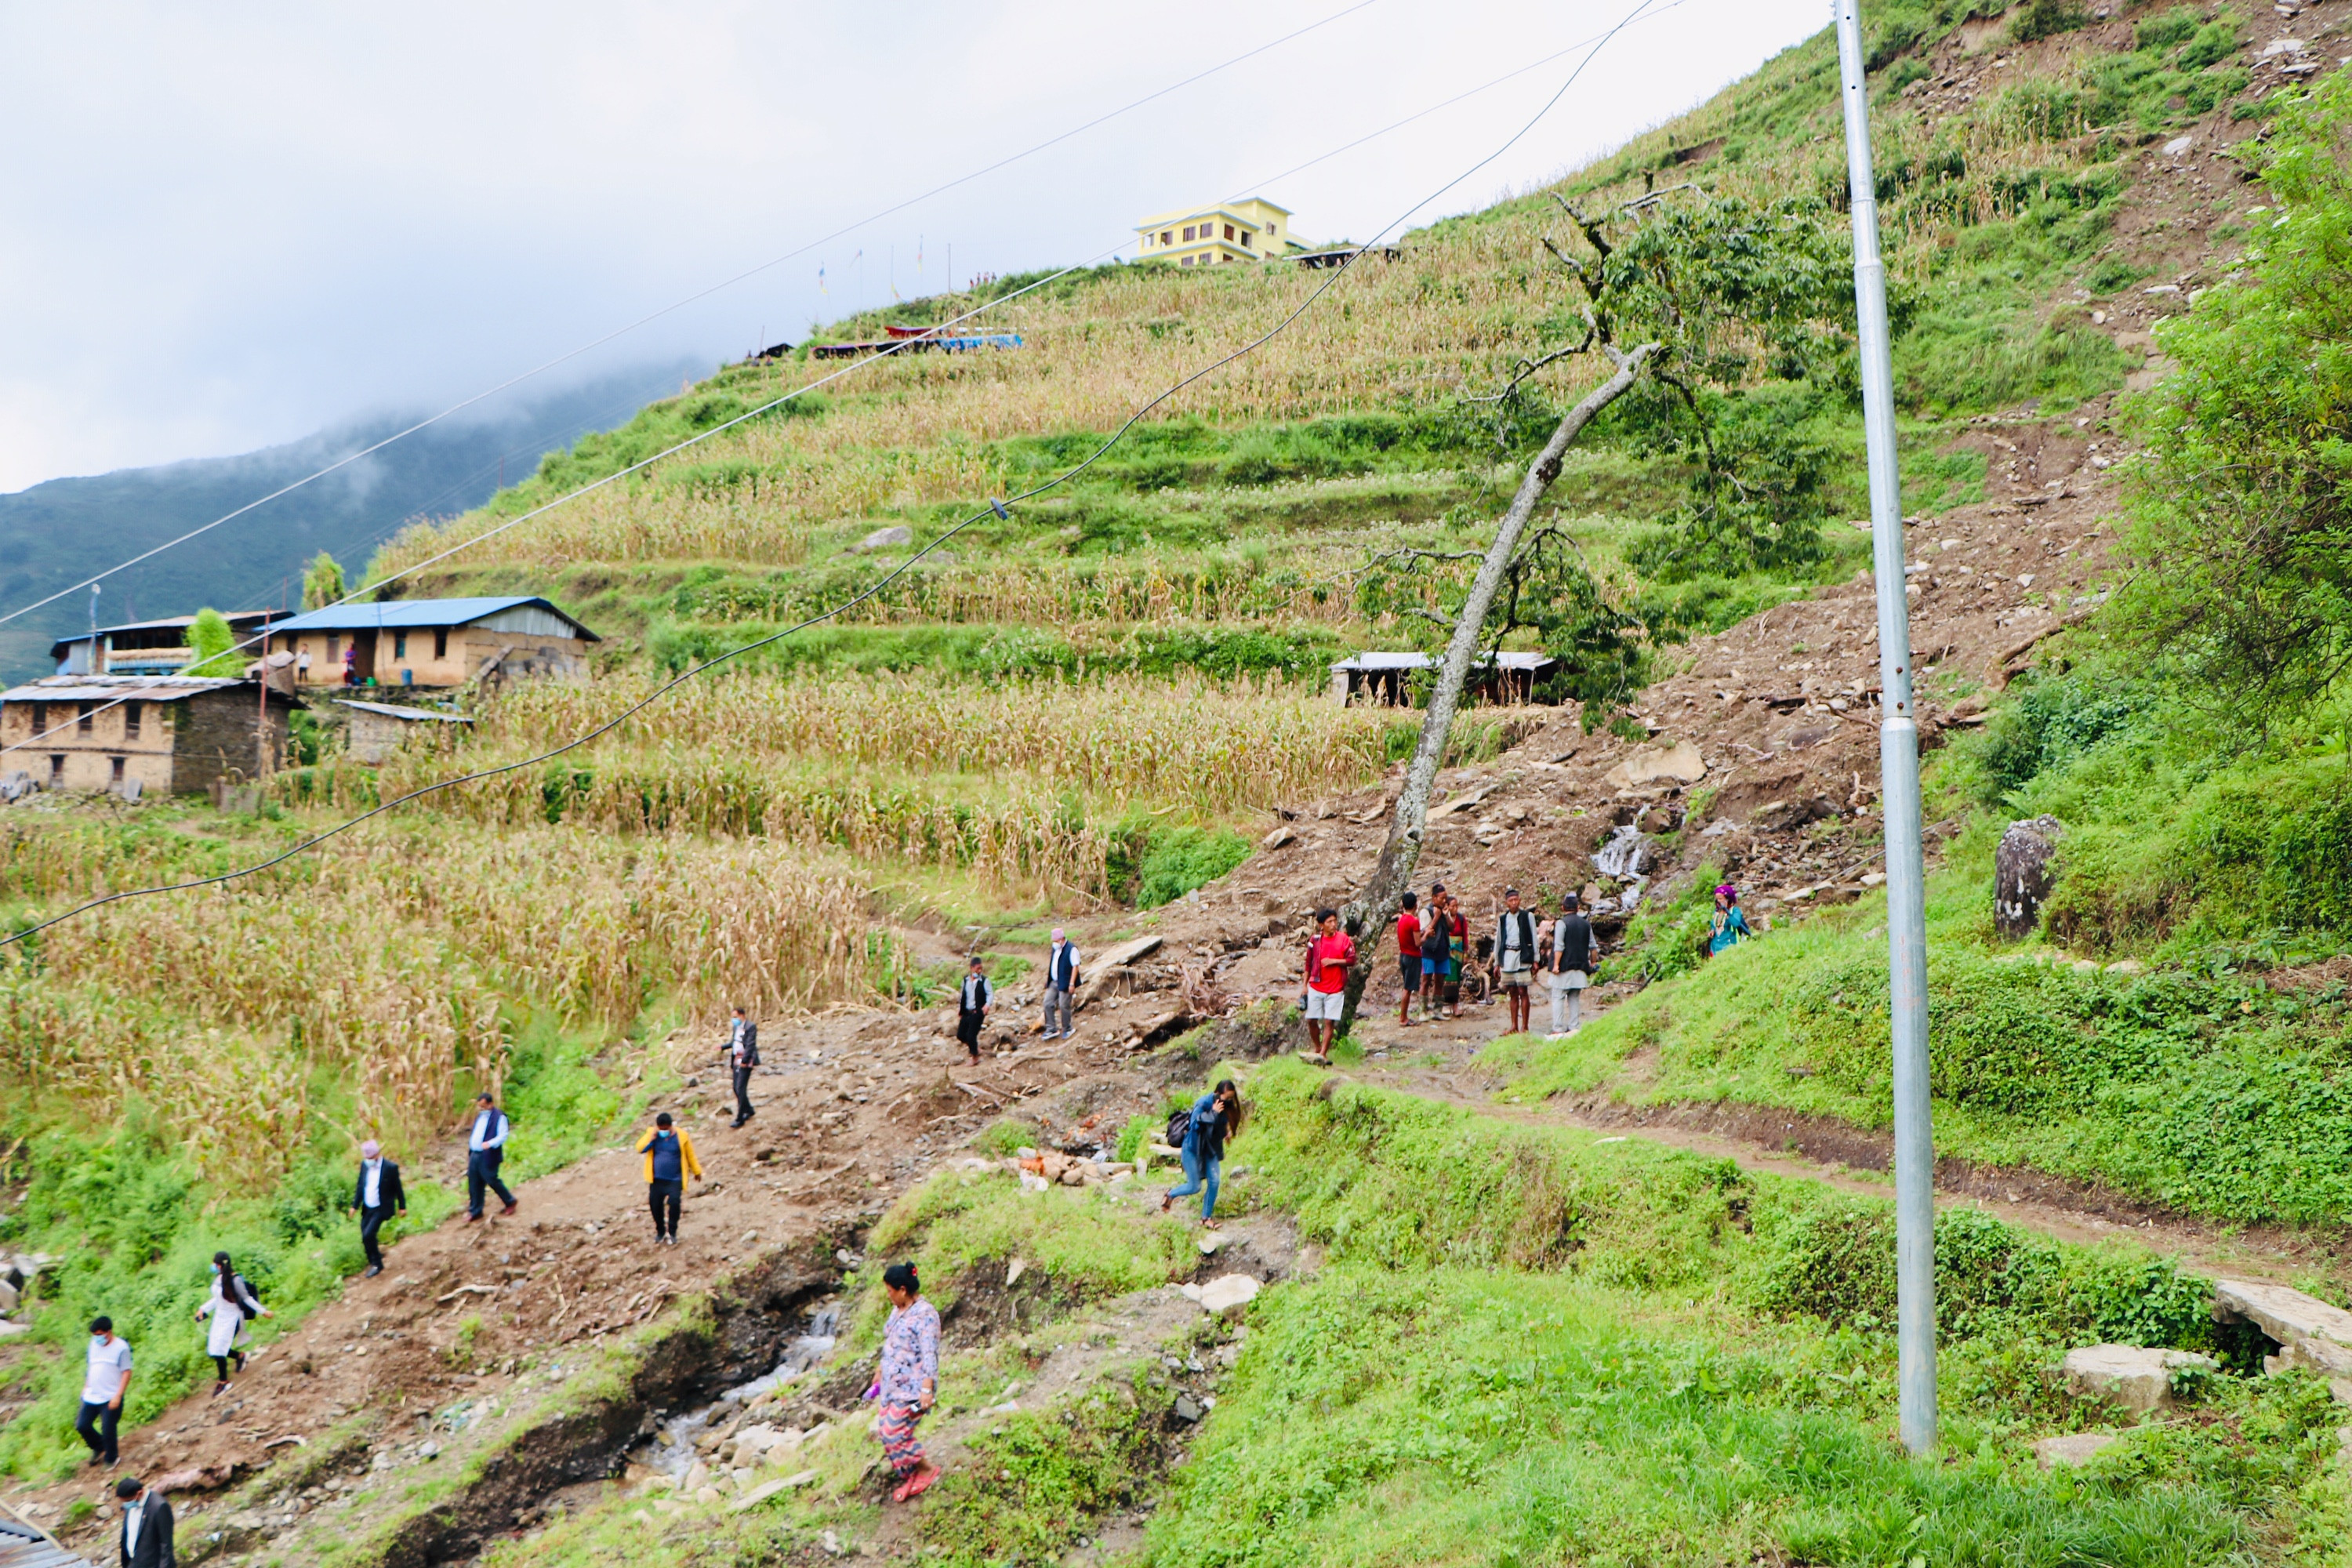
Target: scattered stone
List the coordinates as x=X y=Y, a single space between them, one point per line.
x=2022 y=875
x=886 y=538
x=831 y=1542
x=2310 y=1333
x=1277 y=839
x=1187 y=1409
x=1228 y=1294
x=10 y=1331
x=7 y=1297
x=2074 y=1450
x=1013 y=1271
x=2133 y=1377
x=2178 y=145
x=1650 y=765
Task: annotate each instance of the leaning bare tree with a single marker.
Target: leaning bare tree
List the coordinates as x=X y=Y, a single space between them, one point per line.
x=1695 y=302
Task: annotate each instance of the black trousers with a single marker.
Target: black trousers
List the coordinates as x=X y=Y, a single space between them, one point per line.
x=482 y=1171
x=742 y=1094
x=97 y=1428
x=371 y=1221
x=662 y=1195
x=968 y=1026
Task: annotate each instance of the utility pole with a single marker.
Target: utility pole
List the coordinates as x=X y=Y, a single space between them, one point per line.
x=1898 y=754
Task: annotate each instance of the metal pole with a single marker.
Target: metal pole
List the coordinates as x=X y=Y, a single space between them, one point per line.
x=1898 y=749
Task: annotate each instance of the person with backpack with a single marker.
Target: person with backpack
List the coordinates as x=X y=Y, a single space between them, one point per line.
x=1567 y=968
x=975 y=999
x=1515 y=957
x=1408 y=956
x=669 y=1159
x=377 y=1196
x=742 y=1056
x=1213 y=1117
x=231 y=1306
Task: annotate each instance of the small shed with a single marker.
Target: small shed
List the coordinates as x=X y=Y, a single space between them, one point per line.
x=379 y=729
x=133 y=734
x=1386 y=679
x=433 y=643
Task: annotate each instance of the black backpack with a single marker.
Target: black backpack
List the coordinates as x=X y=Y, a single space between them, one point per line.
x=1179 y=1127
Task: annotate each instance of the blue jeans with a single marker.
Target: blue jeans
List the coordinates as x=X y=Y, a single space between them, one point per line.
x=1200 y=1179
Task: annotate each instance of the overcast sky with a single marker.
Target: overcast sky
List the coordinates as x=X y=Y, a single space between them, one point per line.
x=232 y=225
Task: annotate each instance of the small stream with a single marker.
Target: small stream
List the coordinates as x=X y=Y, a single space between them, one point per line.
x=671 y=1449
x=1627 y=858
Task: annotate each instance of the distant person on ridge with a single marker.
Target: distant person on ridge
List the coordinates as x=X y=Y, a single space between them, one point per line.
x=1061 y=979
x=669 y=1159
x=742 y=1056
x=377 y=1195
x=975 y=999
x=1515 y=958
x=1729 y=927
x=1329 y=957
x=1409 y=956
x=231 y=1306
x=1568 y=969
x=486 y=1150
x=908 y=1382
x=105 y=1380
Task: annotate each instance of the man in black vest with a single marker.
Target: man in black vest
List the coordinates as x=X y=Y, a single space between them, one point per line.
x=974 y=1003
x=1515 y=957
x=742 y=1056
x=146 y=1526
x=1061 y=979
x=1569 y=968
x=377 y=1196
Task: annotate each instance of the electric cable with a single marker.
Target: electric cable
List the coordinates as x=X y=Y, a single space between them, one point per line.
x=1000 y=509
x=696 y=296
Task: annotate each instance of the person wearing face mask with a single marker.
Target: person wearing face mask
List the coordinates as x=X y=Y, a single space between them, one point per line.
x=378 y=1195
x=103 y=1384
x=231 y=1306
x=146 y=1525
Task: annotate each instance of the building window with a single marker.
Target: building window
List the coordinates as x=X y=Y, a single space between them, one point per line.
x=131 y=721
x=1186 y=262
x=1229 y=231
x=441 y=642
x=1245 y=237
x=400 y=645
x=89 y=719
x=332 y=650
x=40 y=719
x=116 y=781
x=1166 y=237
x=1188 y=232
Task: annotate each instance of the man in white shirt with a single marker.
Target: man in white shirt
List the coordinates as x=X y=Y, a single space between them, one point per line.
x=146 y=1526
x=1515 y=957
x=486 y=1147
x=1061 y=979
x=102 y=1387
x=377 y=1196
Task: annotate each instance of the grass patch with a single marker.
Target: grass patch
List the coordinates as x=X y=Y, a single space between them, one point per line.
x=1033 y=1482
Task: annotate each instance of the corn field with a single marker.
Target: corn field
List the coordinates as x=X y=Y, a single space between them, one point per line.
x=393 y=959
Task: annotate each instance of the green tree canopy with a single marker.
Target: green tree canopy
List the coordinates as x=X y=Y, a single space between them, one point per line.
x=210 y=636
x=323 y=582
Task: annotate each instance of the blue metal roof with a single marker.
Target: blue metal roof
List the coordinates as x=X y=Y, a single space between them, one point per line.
x=407 y=614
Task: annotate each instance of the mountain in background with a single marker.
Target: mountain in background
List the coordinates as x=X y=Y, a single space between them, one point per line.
x=63 y=530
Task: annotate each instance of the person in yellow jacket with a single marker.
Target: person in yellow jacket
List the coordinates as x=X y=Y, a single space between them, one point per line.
x=669 y=1156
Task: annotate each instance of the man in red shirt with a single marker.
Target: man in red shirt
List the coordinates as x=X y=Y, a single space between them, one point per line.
x=1329 y=957
x=1409 y=956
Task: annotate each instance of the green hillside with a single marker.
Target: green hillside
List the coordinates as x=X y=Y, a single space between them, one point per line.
x=1086 y=710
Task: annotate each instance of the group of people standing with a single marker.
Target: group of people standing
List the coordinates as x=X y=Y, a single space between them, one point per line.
x=1434 y=953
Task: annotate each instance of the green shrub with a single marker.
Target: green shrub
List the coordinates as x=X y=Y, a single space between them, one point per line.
x=1183 y=858
x=1036 y=1479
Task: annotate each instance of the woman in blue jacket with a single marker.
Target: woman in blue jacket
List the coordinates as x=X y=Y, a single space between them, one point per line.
x=1216 y=1116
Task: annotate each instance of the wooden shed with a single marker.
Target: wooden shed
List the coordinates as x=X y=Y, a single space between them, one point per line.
x=1386 y=679
x=379 y=729
x=132 y=734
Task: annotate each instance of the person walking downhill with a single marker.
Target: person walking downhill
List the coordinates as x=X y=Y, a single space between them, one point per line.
x=742 y=1056
x=975 y=999
x=1569 y=967
x=1329 y=957
x=105 y=1380
x=1433 y=950
x=231 y=1306
x=1515 y=958
x=1061 y=979
x=1408 y=957
x=1214 y=1117
x=377 y=1196
x=908 y=1382
x=669 y=1159
x=1729 y=927
x=486 y=1150
x=147 y=1539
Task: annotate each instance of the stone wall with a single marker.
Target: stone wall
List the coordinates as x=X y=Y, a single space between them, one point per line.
x=214 y=738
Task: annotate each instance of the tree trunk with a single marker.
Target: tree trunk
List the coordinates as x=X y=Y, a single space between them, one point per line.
x=1365 y=917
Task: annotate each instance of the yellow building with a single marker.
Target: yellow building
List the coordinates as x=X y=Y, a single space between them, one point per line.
x=1250 y=230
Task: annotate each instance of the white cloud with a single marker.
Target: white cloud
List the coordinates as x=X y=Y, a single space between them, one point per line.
x=230 y=225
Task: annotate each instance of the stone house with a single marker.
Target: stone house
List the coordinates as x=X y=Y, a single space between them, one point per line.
x=433 y=643
x=168 y=734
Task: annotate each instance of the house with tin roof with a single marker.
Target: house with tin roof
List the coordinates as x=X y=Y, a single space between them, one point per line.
x=433 y=643
x=142 y=734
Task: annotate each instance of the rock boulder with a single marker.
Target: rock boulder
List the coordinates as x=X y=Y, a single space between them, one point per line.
x=2023 y=874
x=2133 y=1377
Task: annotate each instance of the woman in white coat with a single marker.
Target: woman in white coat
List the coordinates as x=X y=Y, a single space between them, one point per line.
x=231 y=1306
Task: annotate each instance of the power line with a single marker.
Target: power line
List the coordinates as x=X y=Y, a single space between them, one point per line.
x=698 y=295
x=995 y=509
